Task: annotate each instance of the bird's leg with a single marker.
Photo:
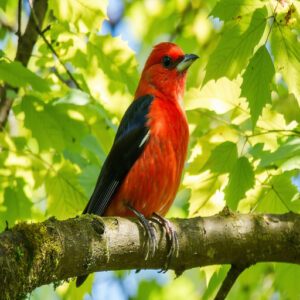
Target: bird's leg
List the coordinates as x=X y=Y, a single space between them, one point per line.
x=152 y=242
x=172 y=238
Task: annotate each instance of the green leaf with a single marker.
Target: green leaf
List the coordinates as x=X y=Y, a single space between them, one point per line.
x=254 y=283
x=116 y=60
x=42 y=124
x=174 y=289
x=147 y=288
x=257 y=150
x=65 y=195
x=227 y=10
x=286 y=48
x=16 y=204
x=15 y=74
x=88 y=178
x=76 y=97
x=281 y=196
x=57 y=125
x=76 y=158
x=203 y=188
x=90 y=143
x=292 y=163
x=285 y=152
x=287 y=280
x=3 y=4
x=236 y=46
x=71 y=120
x=180 y=208
x=77 y=293
x=220 y=96
x=257 y=80
x=215 y=282
x=222 y=158
x=241 y=179
x=86 y=15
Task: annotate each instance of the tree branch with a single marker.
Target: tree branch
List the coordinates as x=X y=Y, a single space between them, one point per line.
x=19 y=32
x=26 y=43
x=35 y=254
x=231 y=277
x=5 y=105
x=30 y=36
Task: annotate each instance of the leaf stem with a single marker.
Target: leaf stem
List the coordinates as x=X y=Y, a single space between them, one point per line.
x=273 y=21
x=42 y=35
x=292 y=132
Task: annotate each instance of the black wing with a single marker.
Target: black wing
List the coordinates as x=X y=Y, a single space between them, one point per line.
x=131 y=138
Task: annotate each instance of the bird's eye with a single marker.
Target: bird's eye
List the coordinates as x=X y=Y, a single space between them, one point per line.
x=166 y=61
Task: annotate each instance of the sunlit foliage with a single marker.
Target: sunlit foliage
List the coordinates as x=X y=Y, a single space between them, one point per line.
x=242 y=102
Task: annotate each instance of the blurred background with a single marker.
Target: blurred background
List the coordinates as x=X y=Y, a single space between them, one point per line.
x=57 y=136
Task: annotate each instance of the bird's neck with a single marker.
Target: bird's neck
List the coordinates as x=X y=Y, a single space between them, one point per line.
x=173 y=90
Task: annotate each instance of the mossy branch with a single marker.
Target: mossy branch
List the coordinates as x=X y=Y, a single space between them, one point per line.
x=35 y=254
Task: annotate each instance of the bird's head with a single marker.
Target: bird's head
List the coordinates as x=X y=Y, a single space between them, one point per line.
x=165 y=72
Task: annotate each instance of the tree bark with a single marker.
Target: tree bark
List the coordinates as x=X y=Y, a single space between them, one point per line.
x=26 y=43
x=34 y=254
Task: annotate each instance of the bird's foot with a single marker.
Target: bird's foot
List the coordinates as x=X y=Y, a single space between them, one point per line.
x=172 y=239
x=150 y=231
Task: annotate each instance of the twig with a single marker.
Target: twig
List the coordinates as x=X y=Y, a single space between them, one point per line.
x=19 y=18
x=288 y=131
x=42 y=35
x=69 y=83
x=48 y=27
x=274 y=20
x=180 y=24
x=231 y=277
x=58 y=58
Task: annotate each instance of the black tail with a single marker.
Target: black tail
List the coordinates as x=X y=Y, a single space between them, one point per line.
x=80 y=280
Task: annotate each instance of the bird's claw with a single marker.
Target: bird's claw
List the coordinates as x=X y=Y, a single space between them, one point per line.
x=150 y=231
x=152 y=241
x=172 y=239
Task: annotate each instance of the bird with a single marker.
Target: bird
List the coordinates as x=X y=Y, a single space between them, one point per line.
x=142 y=172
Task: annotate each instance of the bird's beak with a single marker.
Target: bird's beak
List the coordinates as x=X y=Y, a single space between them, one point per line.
x=188 y=59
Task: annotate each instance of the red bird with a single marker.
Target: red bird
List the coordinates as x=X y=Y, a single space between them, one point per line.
x=142 y=172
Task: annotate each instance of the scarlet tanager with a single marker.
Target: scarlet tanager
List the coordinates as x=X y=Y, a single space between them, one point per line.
x=142 y=171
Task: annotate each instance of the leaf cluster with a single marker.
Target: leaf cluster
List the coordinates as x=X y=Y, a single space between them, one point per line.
x=242 y=100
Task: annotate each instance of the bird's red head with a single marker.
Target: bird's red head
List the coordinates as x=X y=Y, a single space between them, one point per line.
x=165 y=72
